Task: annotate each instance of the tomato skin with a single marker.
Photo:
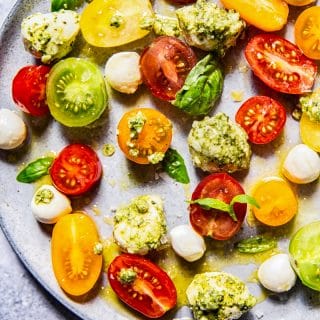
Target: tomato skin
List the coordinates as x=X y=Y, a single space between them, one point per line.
x=76 y=169
x=267 y=15
x=148 y=138
x=76 y=267
x=262 y=118
x=158 y=296
x=215 y=223
x=29 y=89
x=306 y=32
x=299 y=3
x=267 y=55
x=160 y=66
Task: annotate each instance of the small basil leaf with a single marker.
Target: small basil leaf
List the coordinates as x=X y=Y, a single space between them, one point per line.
x=202 y=88
x=175 y=167
x=35 y=170
x=256 y=244
x=244 y=198
x=212 y=203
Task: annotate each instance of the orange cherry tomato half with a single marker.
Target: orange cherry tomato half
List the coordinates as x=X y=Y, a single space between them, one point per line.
x=165 y=65
x=215 y=223
x=280 y=64
x=299 y=3
x=76 y=169
x=29 y=89
x=267 y=15
x=262 y=118
x=154 y=137
x=278 y=203
x=76 y=264
x=307 y=32
x=147 y=289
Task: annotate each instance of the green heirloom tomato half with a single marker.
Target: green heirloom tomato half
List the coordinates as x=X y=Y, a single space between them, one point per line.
x=76 y=92
x=305 y=253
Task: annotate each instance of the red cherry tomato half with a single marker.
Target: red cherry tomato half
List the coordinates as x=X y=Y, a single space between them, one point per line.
x=262 y=118
x=280 y=64
x=215 y=223
x=165 y=65
x=148 y=289
x=29 y=89
x=76 y=169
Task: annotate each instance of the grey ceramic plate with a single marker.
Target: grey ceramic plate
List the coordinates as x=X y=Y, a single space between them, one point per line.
x=123 y=180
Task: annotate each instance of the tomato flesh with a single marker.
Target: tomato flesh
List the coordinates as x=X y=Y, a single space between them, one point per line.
x=310 y=132
x=75 y=264
x=29 y=89
x=307 y=32
x=76 y=169
x=304 y=250
x=215 y=223
x=262 y=118
x=165 y=65
x=280 y=64
x=151 y=292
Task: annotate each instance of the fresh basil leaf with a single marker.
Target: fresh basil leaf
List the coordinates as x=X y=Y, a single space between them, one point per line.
x=202 y=88
x=57 y=5
x=256 y=244
x=35 y=170
x=245 y=198
x=212 y=203
x=175 y=167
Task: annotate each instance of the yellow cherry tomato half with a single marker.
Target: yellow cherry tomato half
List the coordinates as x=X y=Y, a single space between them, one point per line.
x=144 y=134
x=278 y=203
x=299 y=3
x=310 y=132
x=112 y=23
x=76 y=262
x=307 y=32
x=267 y=15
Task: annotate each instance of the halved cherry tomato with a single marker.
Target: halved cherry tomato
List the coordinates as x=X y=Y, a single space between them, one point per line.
x=29 y=89
x=76 y=264
x=262 y=118
x=307 y=32
x=154 y=138
x=215 y=223
x=267 y=15
x=76 y=169
x=278 y=203
x=142 y=285
x=310 y=132
x=165 y=65
x=299 y=3
x=280 y=64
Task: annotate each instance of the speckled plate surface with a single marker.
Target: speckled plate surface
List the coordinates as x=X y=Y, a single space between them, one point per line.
x=122 y=180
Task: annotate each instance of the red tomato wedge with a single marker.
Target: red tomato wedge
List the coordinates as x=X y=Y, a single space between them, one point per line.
x=262 y=118
x=76 y=169
x=149 y=291
x=29 y=89
x=280 y=64
x=165 y=65
x=215 y=223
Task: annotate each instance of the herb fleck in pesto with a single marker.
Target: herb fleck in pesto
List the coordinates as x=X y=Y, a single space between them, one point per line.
x=127 y=275
x=136 y=124
x=98 y=248
x=44 y=196
x=116 y=20
x=108 y=150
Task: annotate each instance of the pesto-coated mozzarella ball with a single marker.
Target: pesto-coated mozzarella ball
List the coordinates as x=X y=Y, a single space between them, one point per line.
x=48 y=204
x=13 y=130
x=302 y=165
x=122 y=72
x=276 y=273
x=187 y=243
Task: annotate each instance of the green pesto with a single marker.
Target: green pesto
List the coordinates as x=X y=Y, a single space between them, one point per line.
x=156 y=157
x=108 y=150
x=146 y=22
x=218 y=296
x=310 y=105
x=127 y=275
x=98 y=248
x=116 y=20
x=136 y=124
x=166 y=26
x=44 y=196
x=209 y=27
x=218 y=144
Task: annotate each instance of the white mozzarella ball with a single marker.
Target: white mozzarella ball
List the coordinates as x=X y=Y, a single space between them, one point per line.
x=48 y=204
x=187 y=243
x=13 y=130
x=276 y=273
x=122 y=72
x=302 y=165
